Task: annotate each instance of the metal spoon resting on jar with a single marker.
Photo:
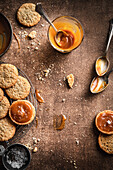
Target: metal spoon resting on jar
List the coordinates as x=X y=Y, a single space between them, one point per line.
x=99 y=83
x=62 y=38
x=102 y=63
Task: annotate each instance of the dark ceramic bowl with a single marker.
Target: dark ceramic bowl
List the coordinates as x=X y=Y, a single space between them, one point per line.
x=6 y=33
x=12 y=154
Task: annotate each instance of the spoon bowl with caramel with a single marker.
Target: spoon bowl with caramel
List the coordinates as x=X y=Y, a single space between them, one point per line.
x=102 y=63
x=99 y=83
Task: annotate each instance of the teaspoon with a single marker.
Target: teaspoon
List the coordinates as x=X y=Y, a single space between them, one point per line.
x=60 y=34
x=99 y=83
x=102 y=63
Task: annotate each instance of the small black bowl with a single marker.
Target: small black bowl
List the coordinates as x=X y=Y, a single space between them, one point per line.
x=12 y=154
x=6 y=30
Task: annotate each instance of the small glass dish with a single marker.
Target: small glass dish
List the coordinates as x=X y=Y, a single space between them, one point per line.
x=5 y=34
x=66 y=23
x=16 y=157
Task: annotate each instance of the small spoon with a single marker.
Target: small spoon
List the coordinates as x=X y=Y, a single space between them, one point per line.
x=60 y=34
x=102 y=63
x=99 y=83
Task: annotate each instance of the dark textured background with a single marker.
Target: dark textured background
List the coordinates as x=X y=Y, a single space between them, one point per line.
x=58 y=149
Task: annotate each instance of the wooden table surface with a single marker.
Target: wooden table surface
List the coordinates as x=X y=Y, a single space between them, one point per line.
x=59 y=149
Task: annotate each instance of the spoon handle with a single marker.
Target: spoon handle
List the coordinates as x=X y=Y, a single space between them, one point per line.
x=110 y=36
x=107 y=75
x=41 y=11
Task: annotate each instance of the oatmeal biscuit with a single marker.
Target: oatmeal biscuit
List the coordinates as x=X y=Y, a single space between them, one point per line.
x=20 y=90
x=4 y=107
x=7 y=129
x=27 y=15
x=106 y=143
x=8 y=75
x=1 y=94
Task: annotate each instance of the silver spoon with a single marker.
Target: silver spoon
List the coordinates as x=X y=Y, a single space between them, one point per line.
x=102 y=63
x=59 y=33
x=99 y=83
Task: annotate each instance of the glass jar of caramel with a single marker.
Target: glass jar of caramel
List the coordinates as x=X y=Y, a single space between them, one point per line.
x=72 y=27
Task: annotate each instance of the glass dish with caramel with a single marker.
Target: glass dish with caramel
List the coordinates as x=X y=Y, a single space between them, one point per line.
x=70 y=26
x=22 y=112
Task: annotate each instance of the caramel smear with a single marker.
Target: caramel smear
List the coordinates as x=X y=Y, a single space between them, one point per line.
x=59 y=122
x=32 y=34
x=70 y=80
x=17 y=39
x=39 y=97
x=36 y=122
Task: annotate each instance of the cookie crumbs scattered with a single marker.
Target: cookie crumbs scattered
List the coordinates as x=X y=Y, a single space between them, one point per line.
x=75 y=123
x=70 y=80
x=32 y=34
x=33 y=43
x=42 y=25
x=36 y=48
x=35 y=149
x=34 y=140
x=38 y=140
x=63 y=100
x=28 y=145
x=77 y=141
x=60 y=84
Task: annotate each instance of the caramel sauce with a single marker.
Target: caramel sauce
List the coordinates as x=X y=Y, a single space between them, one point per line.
x=39 y=97
x=4 y=35
x=59 y=122
x=105 y=121
x=66 y=41
x=21 y=111
x=69 y=42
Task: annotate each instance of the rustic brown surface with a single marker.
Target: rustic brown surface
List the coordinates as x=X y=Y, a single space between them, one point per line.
x=58 y=149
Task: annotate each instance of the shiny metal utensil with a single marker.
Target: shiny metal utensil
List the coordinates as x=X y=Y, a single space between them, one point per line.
x=59 y=33
x=102 y=63
x=99 y=83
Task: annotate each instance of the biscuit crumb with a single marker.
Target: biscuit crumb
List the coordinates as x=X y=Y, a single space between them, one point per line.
x=35 y=149
x=70 y=80
x=32 y=34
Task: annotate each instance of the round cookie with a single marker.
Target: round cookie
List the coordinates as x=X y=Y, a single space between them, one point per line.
x=1 y=94
x=27 y=15
x=7 y=129
x=20 y=90
x=106 y=143
x=4 y=107
x=8 y=75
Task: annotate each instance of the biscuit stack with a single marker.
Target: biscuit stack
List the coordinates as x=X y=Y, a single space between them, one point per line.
x=17 y=88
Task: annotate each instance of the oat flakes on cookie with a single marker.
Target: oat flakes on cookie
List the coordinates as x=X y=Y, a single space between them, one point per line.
x=27 y=15
x=4 y=107
x=8 y=75
x=7 y=129
x=1 y=94
x=20 y=90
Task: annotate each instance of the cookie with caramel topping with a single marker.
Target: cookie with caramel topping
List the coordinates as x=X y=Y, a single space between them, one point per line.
x=7 y=129
x=27 y=15
x=104 y=122
x=106 y=143
x=20 y=90
x=22 y=112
